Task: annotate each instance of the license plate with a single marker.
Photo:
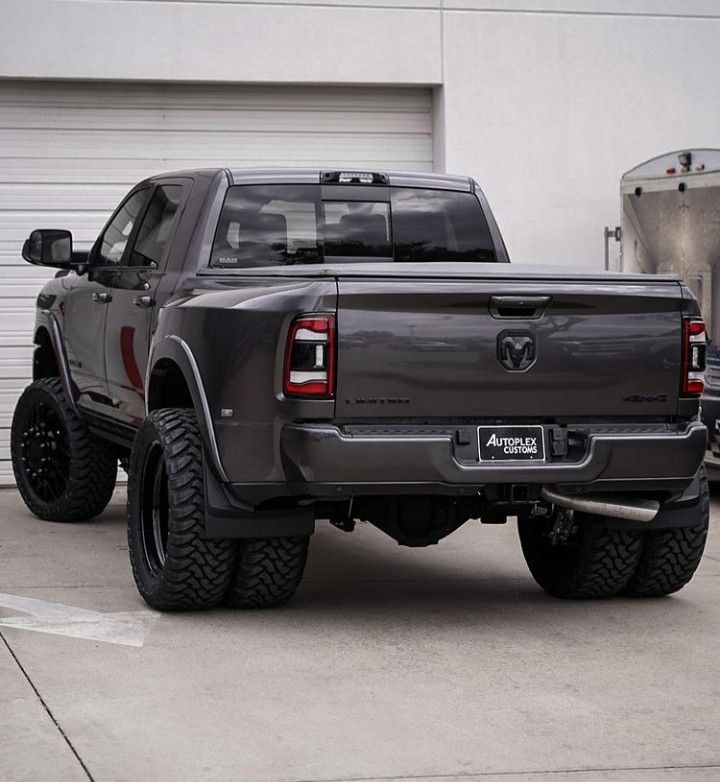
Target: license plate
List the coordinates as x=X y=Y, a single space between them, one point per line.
x=511 y=443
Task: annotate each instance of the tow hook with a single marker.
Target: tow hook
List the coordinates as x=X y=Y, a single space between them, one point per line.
x=345 y=523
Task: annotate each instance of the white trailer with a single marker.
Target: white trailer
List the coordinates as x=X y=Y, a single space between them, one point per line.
x=671 y=223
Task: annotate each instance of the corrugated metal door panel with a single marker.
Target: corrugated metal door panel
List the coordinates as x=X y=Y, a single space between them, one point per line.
x=70 y=151
x=244 y=147
x=6 y=473
x=123 y=96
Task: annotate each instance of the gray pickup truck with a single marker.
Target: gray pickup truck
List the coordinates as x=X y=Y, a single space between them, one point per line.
x=263 y=348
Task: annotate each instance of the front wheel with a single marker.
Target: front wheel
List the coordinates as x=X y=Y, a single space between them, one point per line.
x=174 y=565
x=593 y=562
x=63 y=472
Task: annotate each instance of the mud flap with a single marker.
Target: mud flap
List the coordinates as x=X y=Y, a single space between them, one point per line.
x=228 y=517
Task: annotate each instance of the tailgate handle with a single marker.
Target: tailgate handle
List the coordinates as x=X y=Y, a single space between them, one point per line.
x=519 y=306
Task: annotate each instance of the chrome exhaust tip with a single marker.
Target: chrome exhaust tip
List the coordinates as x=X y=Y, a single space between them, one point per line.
x=615 y=507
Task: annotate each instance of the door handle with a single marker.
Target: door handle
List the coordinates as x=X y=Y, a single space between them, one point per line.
x=144 y=301
x=102 y=297
x=518 y=306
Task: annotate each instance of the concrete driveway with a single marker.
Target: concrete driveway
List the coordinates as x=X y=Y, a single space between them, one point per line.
x=446 y=663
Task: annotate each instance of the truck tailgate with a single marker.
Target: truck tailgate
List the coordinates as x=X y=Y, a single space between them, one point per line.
x=502 y=349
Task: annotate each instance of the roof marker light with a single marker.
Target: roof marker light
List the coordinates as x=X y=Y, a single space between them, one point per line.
x=353 y=178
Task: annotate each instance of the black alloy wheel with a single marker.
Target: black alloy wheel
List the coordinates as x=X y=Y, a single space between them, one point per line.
x=44 y=453
x=63 y=471
x=154 y=509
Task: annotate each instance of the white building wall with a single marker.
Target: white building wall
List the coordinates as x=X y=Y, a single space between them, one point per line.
x=548 y=110
x=545 y=102
x=253 y=42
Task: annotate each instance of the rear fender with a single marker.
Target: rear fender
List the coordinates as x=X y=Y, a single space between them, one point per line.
x=177 y=350
x=226 y=516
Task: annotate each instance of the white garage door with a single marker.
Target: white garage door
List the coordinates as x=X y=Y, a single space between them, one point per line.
x=69 y=151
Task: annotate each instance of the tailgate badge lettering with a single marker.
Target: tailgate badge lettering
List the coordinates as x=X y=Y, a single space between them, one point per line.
x=516 y=350
x=646 y=398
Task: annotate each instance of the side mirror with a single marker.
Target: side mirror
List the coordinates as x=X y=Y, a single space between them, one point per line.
x=49 y=247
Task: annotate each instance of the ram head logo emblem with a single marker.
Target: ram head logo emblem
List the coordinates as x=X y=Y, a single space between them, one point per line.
x=516 y=350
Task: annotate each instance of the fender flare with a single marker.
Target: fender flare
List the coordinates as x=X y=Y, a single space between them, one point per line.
x=58 y=345
x=177 y=350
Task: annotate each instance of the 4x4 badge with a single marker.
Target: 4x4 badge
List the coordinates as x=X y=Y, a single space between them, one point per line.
x=516 y=350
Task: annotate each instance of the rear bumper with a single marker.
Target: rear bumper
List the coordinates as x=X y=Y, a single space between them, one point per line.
x=325 y=460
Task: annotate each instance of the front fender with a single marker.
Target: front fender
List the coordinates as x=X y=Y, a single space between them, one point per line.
x=46 y=320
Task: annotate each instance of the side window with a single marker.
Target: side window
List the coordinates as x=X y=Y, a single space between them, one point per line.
x=156 y=227
x=263 y=225
x=115 y=238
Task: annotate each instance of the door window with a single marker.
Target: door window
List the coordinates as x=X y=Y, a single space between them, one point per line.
x=156 y=227
x=115 y=238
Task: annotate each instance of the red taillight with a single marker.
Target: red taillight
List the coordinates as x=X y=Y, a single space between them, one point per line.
x=310 y=357
x=694 y=346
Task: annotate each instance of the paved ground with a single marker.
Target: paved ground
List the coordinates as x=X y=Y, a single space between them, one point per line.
x=438 y=664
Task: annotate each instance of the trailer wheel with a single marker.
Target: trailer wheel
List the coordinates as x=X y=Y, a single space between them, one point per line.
x=63 y=472
x=592 y=563
x=174 y=565
x=670 y=557
x=268 y=571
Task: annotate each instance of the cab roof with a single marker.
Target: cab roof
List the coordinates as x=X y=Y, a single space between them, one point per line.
x=262 y=176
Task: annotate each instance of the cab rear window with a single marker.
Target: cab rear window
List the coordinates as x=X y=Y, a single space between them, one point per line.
x=270 y=225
